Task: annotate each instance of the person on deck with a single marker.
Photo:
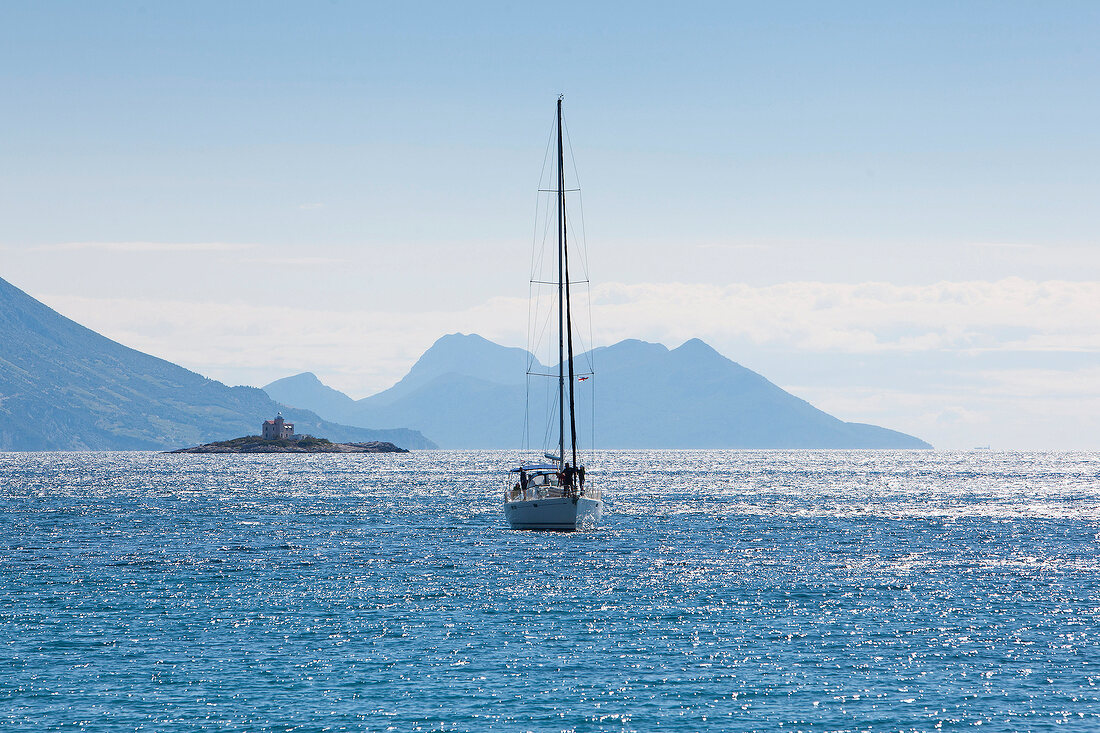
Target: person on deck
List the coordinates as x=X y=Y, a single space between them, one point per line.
x=567 y=476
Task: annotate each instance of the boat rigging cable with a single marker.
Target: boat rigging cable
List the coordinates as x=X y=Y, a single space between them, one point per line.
x=539 y=323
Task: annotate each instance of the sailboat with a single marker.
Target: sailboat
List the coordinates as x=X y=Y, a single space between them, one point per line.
x=554 y=493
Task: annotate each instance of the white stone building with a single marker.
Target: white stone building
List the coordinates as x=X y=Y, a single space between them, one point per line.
x=277 y=428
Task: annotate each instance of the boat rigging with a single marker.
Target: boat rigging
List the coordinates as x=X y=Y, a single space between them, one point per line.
x=555 y=495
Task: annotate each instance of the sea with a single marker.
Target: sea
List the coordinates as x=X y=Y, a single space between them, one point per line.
x=724 y=590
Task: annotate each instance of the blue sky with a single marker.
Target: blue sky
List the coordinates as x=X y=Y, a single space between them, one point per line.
x=888 y=209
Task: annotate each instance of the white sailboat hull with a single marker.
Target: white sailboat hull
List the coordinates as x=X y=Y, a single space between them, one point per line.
x=562 y=514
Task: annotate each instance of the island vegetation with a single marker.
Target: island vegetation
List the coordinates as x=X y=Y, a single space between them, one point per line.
x=303 y=444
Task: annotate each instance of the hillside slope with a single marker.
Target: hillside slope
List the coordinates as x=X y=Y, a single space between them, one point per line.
x=66 y=387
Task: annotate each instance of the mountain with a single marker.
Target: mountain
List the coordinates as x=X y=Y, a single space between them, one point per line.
x=467 y=392
x=307 y=389
x=459 y=355
x=65 y=387
x=460 y=377
x=693 y=397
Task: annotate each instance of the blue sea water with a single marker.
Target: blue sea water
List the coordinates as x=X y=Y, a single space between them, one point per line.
x=725 y=590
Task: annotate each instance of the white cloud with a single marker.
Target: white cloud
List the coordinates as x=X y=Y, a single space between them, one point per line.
x=146 y=246
x=294 y=261
x=1009 y=314
x=359 y=351
x=1076 y=385
x=973 y=317
x=732 y=247
x=1006 y=245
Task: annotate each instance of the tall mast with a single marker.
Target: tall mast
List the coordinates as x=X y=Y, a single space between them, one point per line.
x=561 y=296
x=569 y=332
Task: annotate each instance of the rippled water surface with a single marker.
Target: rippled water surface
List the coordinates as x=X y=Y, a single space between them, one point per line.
x=724 y=591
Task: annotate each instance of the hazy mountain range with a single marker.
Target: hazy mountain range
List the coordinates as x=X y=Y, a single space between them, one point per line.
x=468 y=392
x=65 y=387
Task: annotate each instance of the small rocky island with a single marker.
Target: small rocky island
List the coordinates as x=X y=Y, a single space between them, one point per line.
x=279 y=437
x=256 y=444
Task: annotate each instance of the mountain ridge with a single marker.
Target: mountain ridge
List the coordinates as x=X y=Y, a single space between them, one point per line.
x=66 y=387
x=650 y=397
